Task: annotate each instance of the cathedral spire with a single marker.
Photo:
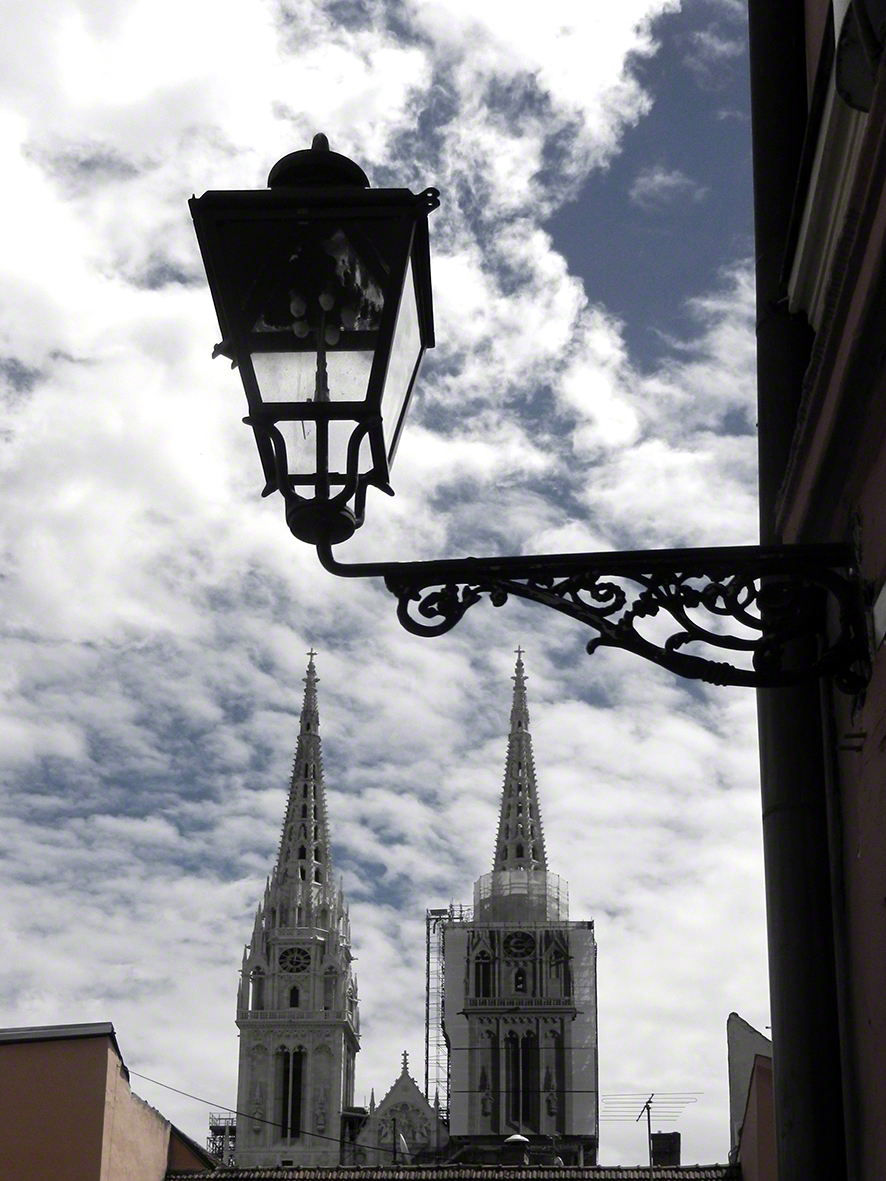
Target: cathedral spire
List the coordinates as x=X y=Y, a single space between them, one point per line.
x=297 y=1007
x=304 y=842
x=520 y=843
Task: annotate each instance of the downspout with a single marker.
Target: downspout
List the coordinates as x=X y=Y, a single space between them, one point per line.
x=806 y=1052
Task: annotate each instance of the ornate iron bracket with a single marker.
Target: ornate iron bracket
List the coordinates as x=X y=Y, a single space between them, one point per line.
x=779 y=606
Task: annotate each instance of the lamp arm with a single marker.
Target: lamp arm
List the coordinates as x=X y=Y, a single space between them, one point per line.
x=796 y=612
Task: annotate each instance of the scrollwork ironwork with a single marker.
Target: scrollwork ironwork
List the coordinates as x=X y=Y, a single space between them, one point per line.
x=794 y=612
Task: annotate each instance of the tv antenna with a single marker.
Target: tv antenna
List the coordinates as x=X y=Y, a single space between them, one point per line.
x=669 y=1106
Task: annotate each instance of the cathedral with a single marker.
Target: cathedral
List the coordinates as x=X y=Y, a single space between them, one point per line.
x=511 y=1042
x=519 y=1008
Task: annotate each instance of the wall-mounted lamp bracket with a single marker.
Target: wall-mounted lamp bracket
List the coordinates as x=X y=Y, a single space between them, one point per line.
x=795 y=612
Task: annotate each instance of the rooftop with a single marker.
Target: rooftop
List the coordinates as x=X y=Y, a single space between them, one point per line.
x=479 y=1173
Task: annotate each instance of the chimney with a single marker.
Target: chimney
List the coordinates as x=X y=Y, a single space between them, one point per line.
x=665 y=1148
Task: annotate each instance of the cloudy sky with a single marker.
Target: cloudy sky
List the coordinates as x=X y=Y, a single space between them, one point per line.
x=592 y=388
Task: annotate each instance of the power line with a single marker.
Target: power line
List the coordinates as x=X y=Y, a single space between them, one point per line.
x=624 y=1105
x=248 y=1115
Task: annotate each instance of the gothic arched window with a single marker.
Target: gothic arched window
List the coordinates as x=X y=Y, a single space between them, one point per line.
x=520 y=980
x=530 y=1081
x=329 y=989
x=293 y=997
x=512 y=1078
x=258 y=989
x=288 y=1068
x=483 y=974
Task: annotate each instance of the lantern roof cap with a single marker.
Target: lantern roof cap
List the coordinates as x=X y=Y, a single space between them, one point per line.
x=317 y=165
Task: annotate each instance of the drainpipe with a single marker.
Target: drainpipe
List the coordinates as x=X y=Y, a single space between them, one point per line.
x=809 y=1121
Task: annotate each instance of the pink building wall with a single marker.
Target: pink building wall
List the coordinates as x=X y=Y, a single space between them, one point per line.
x=67 y=1112
x=756 y=1153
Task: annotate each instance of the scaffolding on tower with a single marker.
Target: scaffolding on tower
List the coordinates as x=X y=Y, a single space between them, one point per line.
x=222 y=1136
x=436 y=1050
x=436 y=1046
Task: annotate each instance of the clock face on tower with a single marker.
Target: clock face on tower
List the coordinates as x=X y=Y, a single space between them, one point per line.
x=519 y=944
x=294 y=959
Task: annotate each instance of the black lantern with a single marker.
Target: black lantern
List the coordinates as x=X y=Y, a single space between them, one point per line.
x=323 y=293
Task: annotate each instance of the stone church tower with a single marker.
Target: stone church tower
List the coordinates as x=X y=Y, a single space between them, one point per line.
x=520 y=996
x=297 y=1003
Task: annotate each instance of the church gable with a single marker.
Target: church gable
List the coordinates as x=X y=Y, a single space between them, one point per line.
x=403 y=1126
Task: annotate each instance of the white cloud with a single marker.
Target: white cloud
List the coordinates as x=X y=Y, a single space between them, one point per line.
x=656 y=187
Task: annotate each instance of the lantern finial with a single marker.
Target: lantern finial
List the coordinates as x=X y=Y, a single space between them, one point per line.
x=316 y=165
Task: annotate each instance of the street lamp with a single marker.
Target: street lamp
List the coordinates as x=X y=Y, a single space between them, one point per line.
x=323 y=294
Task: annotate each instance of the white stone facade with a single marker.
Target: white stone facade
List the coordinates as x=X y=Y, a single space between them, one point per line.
x=297 y=1003
x=403 y=1128
x=520 y=994
x=520 y=1014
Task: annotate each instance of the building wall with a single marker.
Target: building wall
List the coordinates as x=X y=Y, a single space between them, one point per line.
x=182 y=1155
x=67 y=1113
x=744 y=1045
x=817 y=16
x=823 y=475
x=834 y=490
x=135 y=1140
x=756 y=1153
x=549 y=1019
x=52 y=1103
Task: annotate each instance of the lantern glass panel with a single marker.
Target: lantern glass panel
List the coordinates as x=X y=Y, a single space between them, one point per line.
x=406 y=352
x=300 y=377
x=301 y=444
x=306 y=441
x=313 y=333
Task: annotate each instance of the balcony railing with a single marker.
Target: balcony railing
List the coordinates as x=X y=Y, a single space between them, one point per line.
x=314 y=1015
x=519 y=1002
